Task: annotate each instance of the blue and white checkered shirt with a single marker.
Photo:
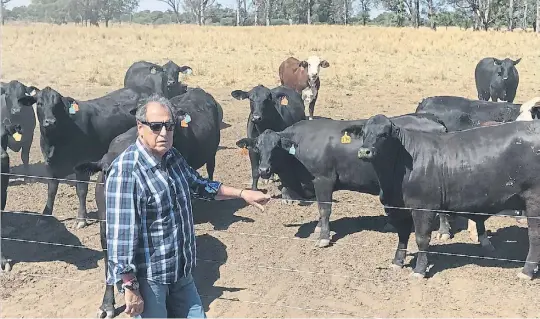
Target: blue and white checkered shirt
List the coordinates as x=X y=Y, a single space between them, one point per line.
x=149 y=219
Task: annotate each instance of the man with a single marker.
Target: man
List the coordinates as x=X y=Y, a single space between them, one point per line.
x=150 y=234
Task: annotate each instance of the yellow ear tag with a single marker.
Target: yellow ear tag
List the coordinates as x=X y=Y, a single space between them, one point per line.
x=284 y=101
x=345 y=139
x=244 y=151
x=183 y=123
x=17 y=136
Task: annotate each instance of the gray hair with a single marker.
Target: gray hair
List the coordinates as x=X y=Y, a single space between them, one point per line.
x=140 y=115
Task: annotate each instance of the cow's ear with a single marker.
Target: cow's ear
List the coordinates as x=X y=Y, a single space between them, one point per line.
x=497 y=61
x=354 y=130
x=246 y=143
x=32 y=90
x=303 y=64
x=239 y=94
x=324 y=64
x=516 y=61
x=27 y=100
x=186 y=69
x=287 y=144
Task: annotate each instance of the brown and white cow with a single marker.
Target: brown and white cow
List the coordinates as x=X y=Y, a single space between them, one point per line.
x=303 y=77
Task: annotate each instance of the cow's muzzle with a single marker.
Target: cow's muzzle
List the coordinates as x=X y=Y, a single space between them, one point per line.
x=366 y=153
x=265 y=172
x=49 y=123
x=256 y=118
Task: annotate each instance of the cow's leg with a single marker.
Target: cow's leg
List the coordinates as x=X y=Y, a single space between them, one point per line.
x=444 y=227
x=211 y=166
x=471 y=228
x=312 y=108
x=402 y=221
x=107 y=305
x=52 y=189
x=254 y=159
x=423 y=221
x=481 y=232
x=533 y=257
x=82 y=192
x=25 y=158
x=324 y=187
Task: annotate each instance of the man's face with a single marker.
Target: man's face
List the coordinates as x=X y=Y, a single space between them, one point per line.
x=153 y=133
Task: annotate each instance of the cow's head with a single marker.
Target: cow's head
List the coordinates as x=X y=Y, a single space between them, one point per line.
x=378 y=133
x=172 y=70
x=260 y=98
x=313 y=65
x=156 y=80
x=529 y=110
x=505 y=68
x=51 y=107
x=266 y=145
x=14 y=92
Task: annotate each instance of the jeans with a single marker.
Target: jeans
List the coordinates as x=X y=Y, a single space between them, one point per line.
x=177 y=300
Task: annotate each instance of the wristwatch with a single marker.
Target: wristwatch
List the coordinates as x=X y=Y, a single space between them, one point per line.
x=131 y=285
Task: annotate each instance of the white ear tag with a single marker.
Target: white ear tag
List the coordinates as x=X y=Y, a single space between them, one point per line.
x=292 y=150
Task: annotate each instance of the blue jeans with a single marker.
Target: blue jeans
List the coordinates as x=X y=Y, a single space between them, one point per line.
x=177 y=300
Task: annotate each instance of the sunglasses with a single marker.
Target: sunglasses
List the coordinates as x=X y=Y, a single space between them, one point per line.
x=157 y=126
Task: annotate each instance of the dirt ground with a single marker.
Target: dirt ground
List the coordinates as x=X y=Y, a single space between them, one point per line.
x=265 y=264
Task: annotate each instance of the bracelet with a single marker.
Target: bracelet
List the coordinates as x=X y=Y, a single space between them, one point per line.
x=240 y=195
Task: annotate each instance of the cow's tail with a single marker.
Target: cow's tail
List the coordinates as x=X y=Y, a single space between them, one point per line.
x=91 y=167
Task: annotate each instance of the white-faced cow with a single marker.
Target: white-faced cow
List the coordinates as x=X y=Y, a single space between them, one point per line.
x=496 y=79
x=481 y=171
x=303 y=76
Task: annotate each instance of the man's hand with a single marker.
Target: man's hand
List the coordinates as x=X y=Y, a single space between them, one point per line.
x=134 y=302
x=255 y=198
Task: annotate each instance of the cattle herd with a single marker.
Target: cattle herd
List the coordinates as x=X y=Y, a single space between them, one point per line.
x=452 y=155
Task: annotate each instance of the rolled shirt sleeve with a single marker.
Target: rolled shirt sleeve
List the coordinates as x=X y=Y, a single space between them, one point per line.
x=123 y=222
x=200 y=187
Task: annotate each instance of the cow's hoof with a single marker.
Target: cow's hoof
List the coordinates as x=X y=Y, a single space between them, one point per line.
x=105 y=314
x=82 y=224
x=6 y=265
x=443 y=237
x=486 y=243
x=317 y=229
x=323 y=243
x=416 y=275
x=310 y=118
x=521 y=275
x=288 y=201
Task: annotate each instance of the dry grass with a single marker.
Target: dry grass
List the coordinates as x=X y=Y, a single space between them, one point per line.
x=380 y=66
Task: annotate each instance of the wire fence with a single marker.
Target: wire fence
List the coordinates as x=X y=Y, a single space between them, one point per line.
x=259 y=266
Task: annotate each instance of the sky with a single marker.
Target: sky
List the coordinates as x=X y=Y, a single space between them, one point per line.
x=157 y=5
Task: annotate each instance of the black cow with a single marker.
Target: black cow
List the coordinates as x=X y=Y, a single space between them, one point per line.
x=482 y=170
x=74 y=131
x=198 y=143
x=138 y=71
x=314 y=158
x=7 y=129
x=459 y=113
x=274 y=109
x=497 y=79
x=21 y=113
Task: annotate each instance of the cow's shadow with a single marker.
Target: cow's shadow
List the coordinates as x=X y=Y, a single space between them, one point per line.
x=24 y=241
x=221 y=214
x=343 y=226
x=211 y=255
x=511 y=243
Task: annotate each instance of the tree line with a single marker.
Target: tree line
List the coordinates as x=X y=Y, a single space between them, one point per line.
x=475 y=14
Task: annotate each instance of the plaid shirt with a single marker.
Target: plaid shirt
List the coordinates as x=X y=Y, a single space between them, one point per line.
x=149 y=220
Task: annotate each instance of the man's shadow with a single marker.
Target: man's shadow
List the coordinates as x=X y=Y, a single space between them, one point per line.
x=211 y=255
